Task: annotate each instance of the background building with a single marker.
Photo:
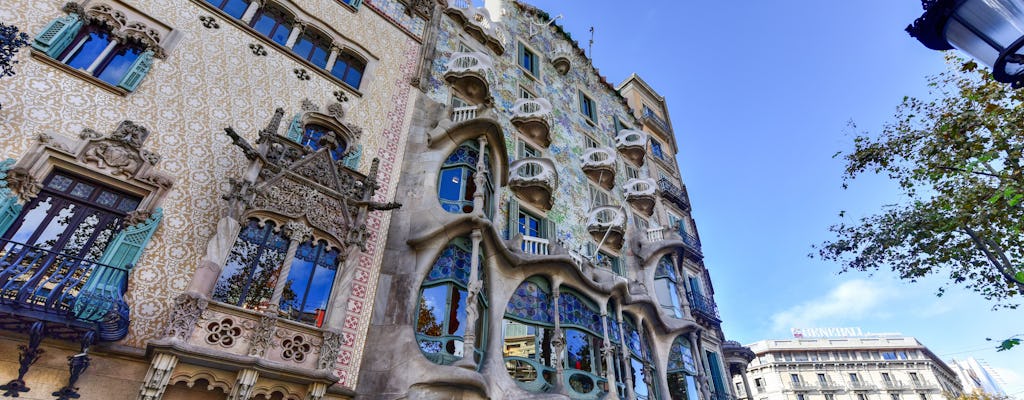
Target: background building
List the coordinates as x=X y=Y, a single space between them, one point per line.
x=976 y=377
x=855 y=368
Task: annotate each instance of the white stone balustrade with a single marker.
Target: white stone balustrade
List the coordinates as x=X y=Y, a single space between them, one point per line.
x=535 y=245
x=462 y=114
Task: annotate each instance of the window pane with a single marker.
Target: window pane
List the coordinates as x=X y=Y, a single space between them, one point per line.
x=94 y=44
x=118 y=66
x=235 y=8
x=450 y=189
x=579 y=351
x=354 y=77
x=319 y=56
x=433 y=302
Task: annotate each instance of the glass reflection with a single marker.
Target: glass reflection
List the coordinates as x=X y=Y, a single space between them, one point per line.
x=250 y=273
x=310 y=279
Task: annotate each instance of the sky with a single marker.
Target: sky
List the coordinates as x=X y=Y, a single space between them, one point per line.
x=761 y=94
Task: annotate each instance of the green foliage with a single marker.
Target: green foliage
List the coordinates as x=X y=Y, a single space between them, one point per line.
x=958 y=160
x=1007 y=344
x=11 y=41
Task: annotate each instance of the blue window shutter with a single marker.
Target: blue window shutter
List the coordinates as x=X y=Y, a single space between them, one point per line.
x=9 y=211
x=352 y=159
x=295 y=129
x=137 y=71
x=57 y=35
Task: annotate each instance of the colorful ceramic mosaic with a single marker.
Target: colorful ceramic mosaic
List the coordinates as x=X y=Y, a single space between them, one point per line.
x=530 y=302
x=572 y=310
x=453 y=264
x=680 y=358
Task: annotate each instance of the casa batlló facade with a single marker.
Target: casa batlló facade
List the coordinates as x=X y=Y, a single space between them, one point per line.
x=326 y=199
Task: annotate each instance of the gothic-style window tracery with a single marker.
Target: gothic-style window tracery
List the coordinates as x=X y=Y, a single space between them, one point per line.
x=528 y=329
x=667 y=287
x=250 y=273
x=312 y=135
x=441 y=320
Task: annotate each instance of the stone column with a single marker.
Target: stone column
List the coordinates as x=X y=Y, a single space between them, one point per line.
x=251 y=11
x=244 y=384
x=609 y=356
x=558 y=342
x=158 y=376
x=746 y=383
x=106 y=52
x=627 y=371
x=316 y=391
x=294 y=36
x=332 y=58
x=468 y=360
x=480 y=178
x=297 y=232
x=699 y=359
x=219 y=246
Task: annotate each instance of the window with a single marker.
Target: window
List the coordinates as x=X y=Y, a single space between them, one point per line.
x=312 y=136
x=313 y=47
x=632 y=172
x=822 y=378
x=95 y=50
x=441 y=322
x=830 y=396
x=349 y=69
x=641 y=223
x=759 y=383
x=854 y=378
x=525 y=93
x=464 y=48
x=273 y=23
x=862 y=396
x=638 y=346
x=667 y=287
x=801 y=396
x=924 y=396
x=456 y=185
x=234 y=8
x=656 y=149
x=914 y=377
x=587 y=107
x=527 y=332
x=528 y=61
x=584 y=335
x=886 y=377
x=310 y=279
x=598 y=197
x=894 y=396
x=529 y=225
x=902 y=355
x=590 y=142
x=525 y=150
x=605 y=260
x=795 y=378
x=888 y=355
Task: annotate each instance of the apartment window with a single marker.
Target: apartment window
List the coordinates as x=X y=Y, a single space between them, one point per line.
x=641 y=223
x=456 y=186
x=924 y=396
x=632 y=172
x=95 y=50
x=914 y=377
x=464 y=48
x=525 y=150
x=822 y=378
x=865 y=355
x=801 y=396
x=312 y=135
x=795 y=378
x=854 y=378
x=759 y=384
x=888 y=355
x=800 y=356
x=273 y=23
x=528 y=60
x=525 y=94
x=349 y=69
x=590 y=142
x=902 y=355
x=234 y=8
x=862 y=396
x=824 y=356
x=886 y=377
x=830 y=396
x=894 y=396
x=529 y=225
x=656 y=149
x=441 y=326
x=587 y=107
x=609 y=261
x=598 y=197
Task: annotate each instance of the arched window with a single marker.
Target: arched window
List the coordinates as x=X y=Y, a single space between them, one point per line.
x=313 y=47
x=95 y=50
x=349 y=69
x=618 y=361
x=640 y=357
x=667 y=287
x=441 y=320
x=310 y=279
x=234 y=8
x=584 y=336
x=456 y=186
x=681 y=370
x=273 y=23
x=311 y=135
x=527 y=331
x=249 y=275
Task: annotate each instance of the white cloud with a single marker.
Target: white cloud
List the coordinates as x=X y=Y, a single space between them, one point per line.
x=847 y=303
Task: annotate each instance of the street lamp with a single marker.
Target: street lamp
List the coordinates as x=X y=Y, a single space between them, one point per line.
x=991 y=31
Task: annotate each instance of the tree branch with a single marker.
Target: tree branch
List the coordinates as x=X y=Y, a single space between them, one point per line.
x=973 y=172
x=1001 y=264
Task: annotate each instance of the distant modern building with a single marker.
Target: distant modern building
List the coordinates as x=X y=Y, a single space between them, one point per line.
x=841 y=368
x=976 y=377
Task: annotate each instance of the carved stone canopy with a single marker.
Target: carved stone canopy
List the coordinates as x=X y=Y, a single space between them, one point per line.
x=122 y=24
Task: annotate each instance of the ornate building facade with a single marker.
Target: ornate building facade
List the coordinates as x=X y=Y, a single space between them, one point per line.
x=327 y=199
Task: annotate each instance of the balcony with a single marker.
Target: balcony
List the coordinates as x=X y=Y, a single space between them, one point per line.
x=536 y=246
x=640 y=194
x=674 y=194
x=922 y=385
x=656 y=234
x=478 y=23
x=632 y=144
x=829 y=386
x=561 y=58
x=648 y=117
x=532 y=118
x=691 y=241
x=800 y=386
x=861 y=385
x=534 y=180
x=71 y=296
x=704 y=307
x=467 y=73
x=599 y=165
x=895 y=385
x=463 y=114
x=607 y=225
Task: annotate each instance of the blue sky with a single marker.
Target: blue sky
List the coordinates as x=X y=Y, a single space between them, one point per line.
x=760 y=94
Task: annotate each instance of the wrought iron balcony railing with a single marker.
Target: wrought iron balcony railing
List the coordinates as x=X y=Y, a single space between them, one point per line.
x=38 y=284
x=861 y=385
x=673 y=193
x=661 y=124
x=688 y=239
x=703 y=305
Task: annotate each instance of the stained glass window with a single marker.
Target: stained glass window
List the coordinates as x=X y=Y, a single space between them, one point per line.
x=311 y=135
x=527 y=332
x=440 y=325
x=576 y=311
x=531 y=302
x=666 y=287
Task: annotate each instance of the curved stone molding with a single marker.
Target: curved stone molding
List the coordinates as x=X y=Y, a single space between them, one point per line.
x=467 y=72
x=561 y=58
x=607 y=224
x=534 y=179
x=599 y=165
x=478 y=23
x=532 y=118
x=450 y=134
x=632 y=144
x=640 y=193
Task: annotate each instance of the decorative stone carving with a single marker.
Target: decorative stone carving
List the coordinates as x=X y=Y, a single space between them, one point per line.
x=261 y=337
x=223 y=332
x=23 y=184
x=258 y=49
x=209 y=22
x=329 y=350
x=158 y=376
x=296 y=348
x=244 y=384
x=336 y=110
x=316 y=391
x=309 y=106
x=188 y=309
